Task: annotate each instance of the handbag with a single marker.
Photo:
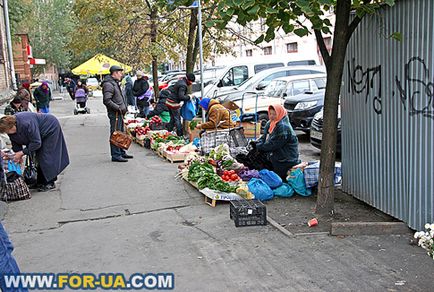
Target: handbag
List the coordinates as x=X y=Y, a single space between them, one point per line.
x=120 y=139
x=30 y=174
x=14 y=188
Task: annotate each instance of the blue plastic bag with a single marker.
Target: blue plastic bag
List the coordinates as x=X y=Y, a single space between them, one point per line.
x=297 y=182
x=14 y=167
x=284 y=191
x=260 y=189
x=270 y=178
x=188 y=111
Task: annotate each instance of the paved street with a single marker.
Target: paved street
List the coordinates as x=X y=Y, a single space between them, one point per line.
x=135 y=217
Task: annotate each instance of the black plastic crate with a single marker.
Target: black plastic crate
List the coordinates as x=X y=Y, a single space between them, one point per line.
x=248 y=213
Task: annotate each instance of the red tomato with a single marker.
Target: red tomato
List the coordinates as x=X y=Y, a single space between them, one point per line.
x=224 y=177
x=231 y=172
x=234 y=177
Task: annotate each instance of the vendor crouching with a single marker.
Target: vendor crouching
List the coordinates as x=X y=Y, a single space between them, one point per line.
x=279 y=142
x=218 y=117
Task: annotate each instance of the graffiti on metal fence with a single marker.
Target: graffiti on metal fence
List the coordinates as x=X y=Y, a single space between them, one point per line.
x=416 y=91
x=366 y=80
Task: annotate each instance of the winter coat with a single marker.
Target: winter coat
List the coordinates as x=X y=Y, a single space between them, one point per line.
x=10 y=110
x=216 y=114
x=42 y=98
x=176 y=92
x=113 y=98
x=41 y=134
x=282 y=144
x=159 y=108
x=140 y=87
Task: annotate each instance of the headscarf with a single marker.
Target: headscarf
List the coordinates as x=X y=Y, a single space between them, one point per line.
x=205 y=103
x=26 y=85
x=45 y=90
x=280 y=112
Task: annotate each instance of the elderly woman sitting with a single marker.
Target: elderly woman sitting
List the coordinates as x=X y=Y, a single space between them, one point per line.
x=218 y=116
x=279 y=141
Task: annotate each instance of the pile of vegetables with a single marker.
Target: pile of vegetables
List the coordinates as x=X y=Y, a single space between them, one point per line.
x=247 y=174
x=205 y=176
x=230 y=175
x=156 y=120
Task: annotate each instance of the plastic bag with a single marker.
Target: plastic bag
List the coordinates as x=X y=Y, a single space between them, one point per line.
x=270 y=178
x=297 y=182
x=188 y=111
x=260 y=189
x=284 y=191
x=14 y=167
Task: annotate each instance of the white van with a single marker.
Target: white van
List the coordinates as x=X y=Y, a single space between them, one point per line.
x=239 y=72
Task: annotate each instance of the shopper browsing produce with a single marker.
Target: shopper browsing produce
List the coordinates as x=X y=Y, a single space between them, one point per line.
x=218 y=116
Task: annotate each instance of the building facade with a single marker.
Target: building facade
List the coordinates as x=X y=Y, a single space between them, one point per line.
x=22 y=53
x=5 y=70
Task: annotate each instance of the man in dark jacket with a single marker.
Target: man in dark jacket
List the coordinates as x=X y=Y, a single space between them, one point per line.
x=116 y=106
x=140 y=89
x=175 y=94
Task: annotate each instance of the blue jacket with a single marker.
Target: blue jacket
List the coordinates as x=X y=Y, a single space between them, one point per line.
x=282 y=144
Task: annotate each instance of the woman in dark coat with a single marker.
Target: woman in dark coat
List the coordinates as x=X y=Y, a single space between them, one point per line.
x=279 y=141
x=42 y=135
x=42 y=96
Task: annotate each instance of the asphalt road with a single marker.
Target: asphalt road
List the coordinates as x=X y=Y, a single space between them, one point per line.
x=137 y=218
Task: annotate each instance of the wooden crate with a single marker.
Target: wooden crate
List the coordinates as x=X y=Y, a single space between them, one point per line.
x=249 y=129
x=174 y=156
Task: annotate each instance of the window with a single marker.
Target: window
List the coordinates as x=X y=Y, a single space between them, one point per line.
x=249 y=53
x=292 y=48
x=300 y=87
x=262 y=67
x=320 y=83
x=299 y=72
x=268 y=50
x=235 y=76
x=241 y=73
x=264 y=82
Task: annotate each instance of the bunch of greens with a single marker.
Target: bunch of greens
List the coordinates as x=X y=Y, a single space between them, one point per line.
x=198 y=170
x=214 y=182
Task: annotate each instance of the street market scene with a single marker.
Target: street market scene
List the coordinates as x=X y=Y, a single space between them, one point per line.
x=217 y=145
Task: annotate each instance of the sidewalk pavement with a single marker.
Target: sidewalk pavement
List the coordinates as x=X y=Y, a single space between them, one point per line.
x=135 y=217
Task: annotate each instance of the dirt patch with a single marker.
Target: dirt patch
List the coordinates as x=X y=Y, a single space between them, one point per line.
x=294 y=213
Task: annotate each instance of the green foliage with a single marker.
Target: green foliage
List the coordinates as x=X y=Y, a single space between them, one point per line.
x=49 y=25
x=286 y=15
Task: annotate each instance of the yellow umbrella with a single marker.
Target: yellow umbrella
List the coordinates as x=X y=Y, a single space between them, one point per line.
x=100 y=65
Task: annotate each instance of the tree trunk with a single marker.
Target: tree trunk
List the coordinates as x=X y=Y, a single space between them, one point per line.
x=154 y=56
x=325 y=200
x=191 y=41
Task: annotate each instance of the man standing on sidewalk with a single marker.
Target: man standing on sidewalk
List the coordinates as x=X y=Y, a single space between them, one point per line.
x=116 y=106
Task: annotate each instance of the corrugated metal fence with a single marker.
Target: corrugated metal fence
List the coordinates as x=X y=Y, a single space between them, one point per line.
x=388 y=112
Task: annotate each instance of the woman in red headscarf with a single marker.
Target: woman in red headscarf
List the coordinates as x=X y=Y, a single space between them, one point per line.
x=279 y=141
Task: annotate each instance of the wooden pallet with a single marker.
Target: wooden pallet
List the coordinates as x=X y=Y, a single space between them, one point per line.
x=211 y=201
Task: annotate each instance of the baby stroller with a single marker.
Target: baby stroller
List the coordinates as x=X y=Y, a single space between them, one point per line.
x=80 y=102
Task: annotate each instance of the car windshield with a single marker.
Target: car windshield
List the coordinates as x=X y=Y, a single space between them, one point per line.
x=275 y=88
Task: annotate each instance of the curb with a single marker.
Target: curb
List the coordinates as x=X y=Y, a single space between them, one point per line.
x=369 y=228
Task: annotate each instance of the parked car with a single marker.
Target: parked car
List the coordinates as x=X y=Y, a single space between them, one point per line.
x=235 y=74
x=277 y=91
x=92 y=83
x=316 y=131
x=303 y=107
x=258 y=82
